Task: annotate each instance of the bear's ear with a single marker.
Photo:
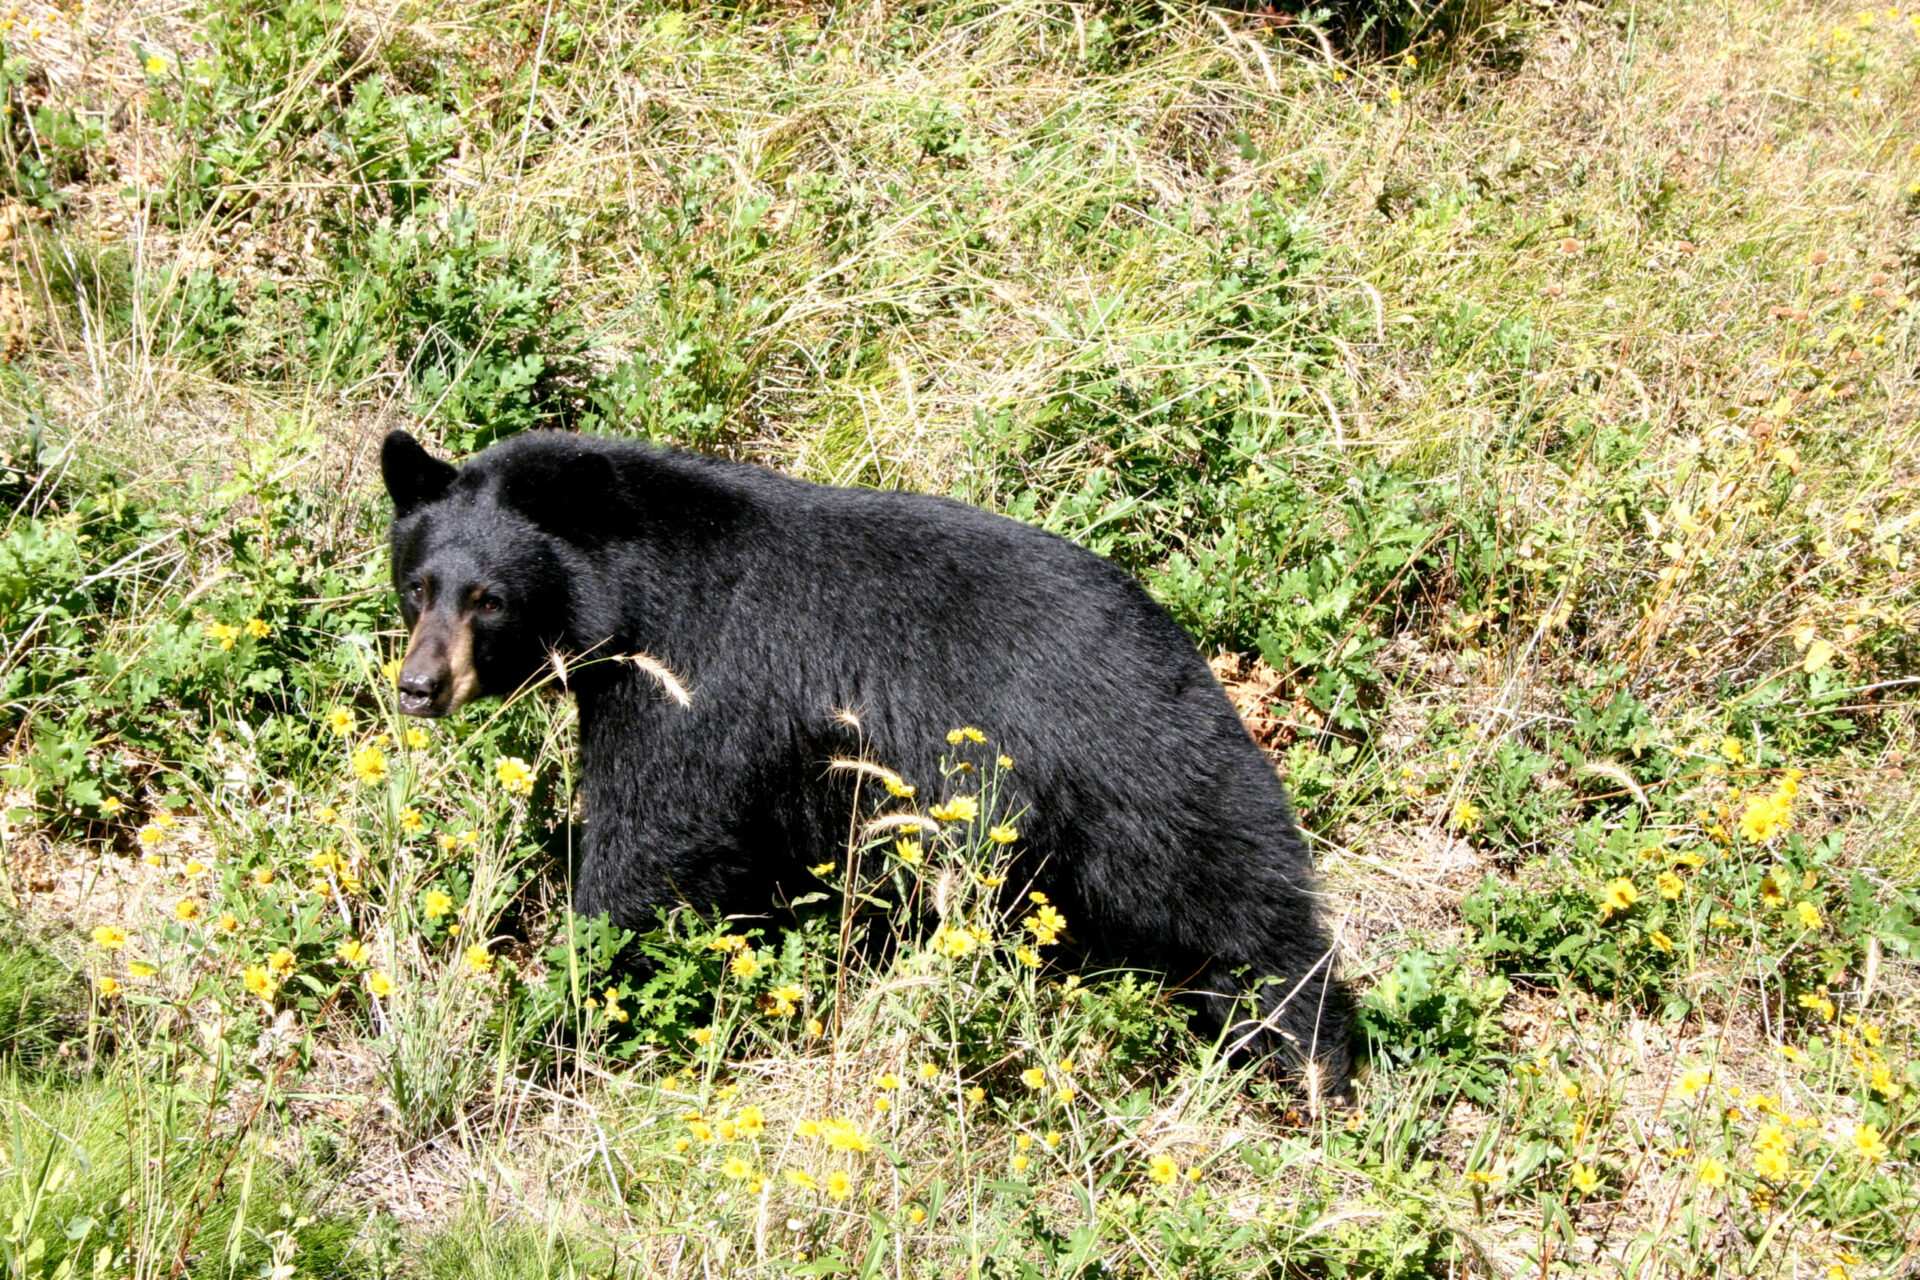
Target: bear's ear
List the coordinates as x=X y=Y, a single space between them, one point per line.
x=413 y=475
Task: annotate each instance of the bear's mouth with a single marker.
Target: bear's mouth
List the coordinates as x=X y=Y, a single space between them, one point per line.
x=422 y=704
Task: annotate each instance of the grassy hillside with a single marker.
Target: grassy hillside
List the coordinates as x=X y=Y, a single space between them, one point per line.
x=1522 y=401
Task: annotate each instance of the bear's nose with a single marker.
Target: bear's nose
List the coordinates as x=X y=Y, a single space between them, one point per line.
x=420 y=692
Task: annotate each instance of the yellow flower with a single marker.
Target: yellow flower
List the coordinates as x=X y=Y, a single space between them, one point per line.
x=1868 y=1145
x=1619 y=895
x=744 y=966
x=1818 y=1003
x=927 y=1071
x=259 y=628
x=436 y=903
x=281 y=962
x=1003 y=834
x=109 y=937
x=800 y=1178
x=515 y=777
x=1021 y=1162
x=976 y=1095
x=916 y=1215
x=958 y=809
x=1045 y=924
x=839 y=1184
x=257 y=981
x=224 y=634
x=416 y=738
x=1660 y=942
x=263 y=876
x=751 y=1122
x=1465 y=816
x=1711 y=1173
x=1162 y=1169
x=155 y=64
x=186 y=910
x=1004 y=761
x=411 y=822
x=228 y=922
x=1585 y=1179
x=1733 y=749
x=1033 y=1078
x=954 y=944
x=785 y=1001
x=152 y=834
x=141 y=969
x=965 y=734
x=1670 y=885
x=1027 y=956
x=909 y=852
x=1569 y=1088
x=736 y=1168
x=896 y=786
x=883 y=1104
x=351 y=951
x=703 y=1036
x=1023 y=1142
x=370 y=765
x=340 y=720
x=1772 y=1164
x=112 y=805
x=816 y=1028
x=1067 y=1093
x=886 y=1080
x=108 y=986
x=1810 y=917
x=1694 y=1079
x=1765 y=817
x=478 y=958
x=379 y=984
x=822 y=868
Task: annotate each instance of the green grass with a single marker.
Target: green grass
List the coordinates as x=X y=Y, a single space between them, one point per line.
x=1521 y=400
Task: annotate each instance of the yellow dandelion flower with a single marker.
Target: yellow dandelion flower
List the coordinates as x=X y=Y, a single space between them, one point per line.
x=1003 y=834
x=1619 y=895
x=744 y=966
x=259 y=628
x=1693 y=1080
x=1034 y=1078
x=340 y=720
x=800 y=1178
x=909 y=852
x=223 y=634
x=370 y=765
x=954 y=944
x=1585 y=1179
x=1711 y=1173
x=436 y=903
x=823 y=868
x=1004 y=761
x=976 y=1095
x=1868 y=1144
x=1066 y=1093
x=152 y=834
x=1670 y=885
x=702 y=1036
x=1162 y=1169
x=109 y=937
x=927 y=1071
x=1020 y=1163
x=751 y=1122
x=351 y=951
x=839 y=1184
x=257 y=981
x=515 y=777
x=737 y=1169
x=1027 y=956
x=1809 y=914
x=262 y=876
x=1465 y=815
x=1045 y=924
x=379 y=984
x=1772 y=1165
x=478 y=958
x=897 y=786
x=957 y=809
x=108 y=986
x=412 y=822
x=416 y=738
x=1660 y=942
x=916 y=1215
x=1818 y=1003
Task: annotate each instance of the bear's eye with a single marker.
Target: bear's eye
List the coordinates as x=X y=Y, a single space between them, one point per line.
x=490 y=603
x=416 y=589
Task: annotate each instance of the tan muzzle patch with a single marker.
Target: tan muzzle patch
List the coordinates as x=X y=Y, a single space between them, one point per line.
x=449 y=641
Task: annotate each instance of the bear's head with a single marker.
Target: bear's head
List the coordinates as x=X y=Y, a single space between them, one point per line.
x=483 y=586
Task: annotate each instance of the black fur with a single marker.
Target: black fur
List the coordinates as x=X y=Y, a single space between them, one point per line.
x=1152 y=819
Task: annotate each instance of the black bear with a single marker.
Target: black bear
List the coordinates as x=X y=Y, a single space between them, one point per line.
x=1150 y=816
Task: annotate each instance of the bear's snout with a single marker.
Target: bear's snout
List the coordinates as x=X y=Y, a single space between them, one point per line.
x=420 y=693
x=437 y=673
